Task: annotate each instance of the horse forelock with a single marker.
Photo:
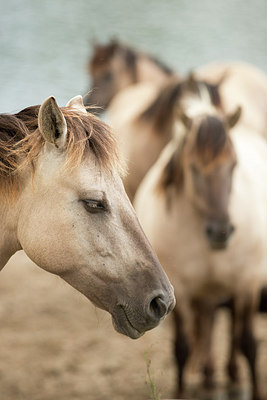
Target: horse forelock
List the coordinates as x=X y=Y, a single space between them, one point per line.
x=21 y=143
x=211 y=139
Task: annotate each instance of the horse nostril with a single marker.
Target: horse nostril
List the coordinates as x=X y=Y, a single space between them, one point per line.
x=232 y=229
x=157 y=308
x=222 y=235
x=209 y=232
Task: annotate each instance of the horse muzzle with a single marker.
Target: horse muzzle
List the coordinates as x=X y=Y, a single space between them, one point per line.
x=135 y=322
x=218 y=233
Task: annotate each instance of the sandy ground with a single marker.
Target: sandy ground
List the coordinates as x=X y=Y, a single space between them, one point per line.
x=56 y=346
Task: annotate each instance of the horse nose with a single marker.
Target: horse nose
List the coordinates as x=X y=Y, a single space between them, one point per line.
x=218 y=232
x=159 y=306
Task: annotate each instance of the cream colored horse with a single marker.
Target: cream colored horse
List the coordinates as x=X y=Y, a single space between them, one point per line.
x=203 y=207
x=63 y=203
x=115 y=66
x=142 y=115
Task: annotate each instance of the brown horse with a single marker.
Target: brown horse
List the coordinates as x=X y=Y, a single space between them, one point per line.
x=115 y=66
x=63 y=202
x=203 y=206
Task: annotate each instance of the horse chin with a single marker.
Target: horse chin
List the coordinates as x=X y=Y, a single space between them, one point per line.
x=123 y=325
x=218 y=245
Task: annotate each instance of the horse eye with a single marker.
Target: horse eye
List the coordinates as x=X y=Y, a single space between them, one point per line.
x=94 y=206
x=108 y=77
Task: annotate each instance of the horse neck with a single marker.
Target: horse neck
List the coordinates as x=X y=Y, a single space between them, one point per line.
x=147 y=70
x=9 y=243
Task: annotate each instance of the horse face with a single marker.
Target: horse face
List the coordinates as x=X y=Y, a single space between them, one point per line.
x=209 y=164
x=80 y=225
x=109 y=73
x=210 y=194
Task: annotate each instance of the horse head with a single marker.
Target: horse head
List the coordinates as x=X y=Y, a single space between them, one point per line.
x=73 y=218
x=202 y=165
x=112 y=68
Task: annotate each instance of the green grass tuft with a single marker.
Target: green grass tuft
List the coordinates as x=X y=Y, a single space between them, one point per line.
x=151 y=382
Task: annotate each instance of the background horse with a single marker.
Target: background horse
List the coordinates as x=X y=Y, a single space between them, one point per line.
x=203 y=206
x=63 y=202
x=115 y=66
x=143 y=118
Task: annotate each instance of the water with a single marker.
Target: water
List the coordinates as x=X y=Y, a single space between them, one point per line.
x=44 y=44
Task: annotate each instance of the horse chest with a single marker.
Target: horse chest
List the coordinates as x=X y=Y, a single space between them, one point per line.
x=190 y=264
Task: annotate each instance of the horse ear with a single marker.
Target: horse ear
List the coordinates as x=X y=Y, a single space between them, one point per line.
x=77 y=103
x=187 y=121
x=114 y=42
x=93 y=42
x=51 y=123
x=233 y=118
x=191 y=81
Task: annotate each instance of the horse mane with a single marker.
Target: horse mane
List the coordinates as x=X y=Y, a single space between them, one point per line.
x=161 y=111
x=159 y=63
x=104 y=53
x=172 y=173
x=21 y=143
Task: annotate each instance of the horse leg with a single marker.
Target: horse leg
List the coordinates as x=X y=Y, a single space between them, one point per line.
x=232 y=367
x=181 y=349
x=245 y=338
x=248 y=346
x=204 y=320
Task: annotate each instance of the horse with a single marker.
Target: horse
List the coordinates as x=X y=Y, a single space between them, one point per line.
x=115 y=66
x=143 y=118
x=63 y=202
x=203 y=207
x=142 y=114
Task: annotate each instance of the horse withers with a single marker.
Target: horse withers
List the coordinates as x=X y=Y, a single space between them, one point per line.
x=203 y=206
x=63 y=203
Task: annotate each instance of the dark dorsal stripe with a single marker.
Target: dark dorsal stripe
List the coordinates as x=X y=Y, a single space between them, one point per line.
x=131 y=58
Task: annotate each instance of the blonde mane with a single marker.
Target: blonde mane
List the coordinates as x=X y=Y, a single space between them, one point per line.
x=21 y=143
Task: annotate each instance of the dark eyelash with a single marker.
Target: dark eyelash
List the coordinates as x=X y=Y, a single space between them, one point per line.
x=94 y=206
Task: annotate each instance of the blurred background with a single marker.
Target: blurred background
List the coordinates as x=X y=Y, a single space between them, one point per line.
x=55 y=344
x=45 y=45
